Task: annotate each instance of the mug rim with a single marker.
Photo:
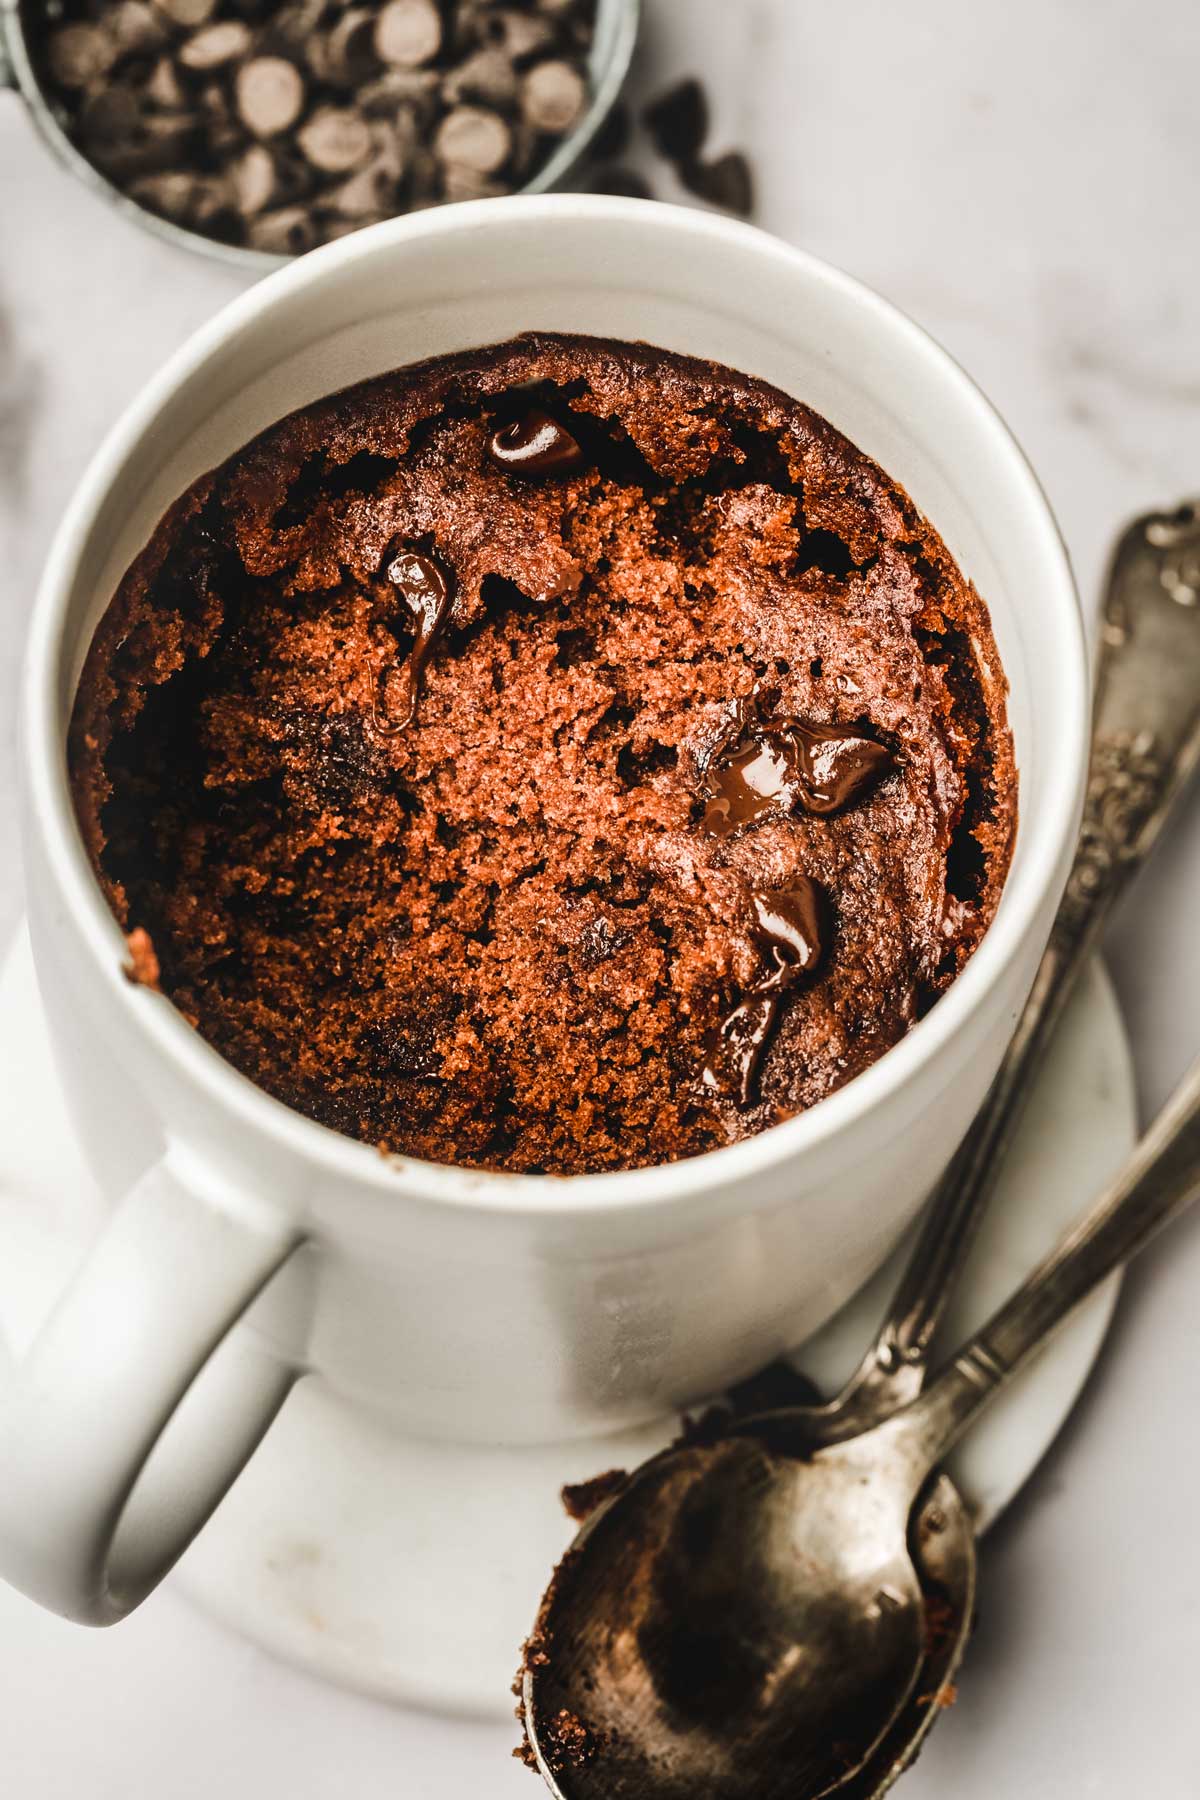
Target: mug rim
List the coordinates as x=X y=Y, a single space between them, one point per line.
x=52 y=816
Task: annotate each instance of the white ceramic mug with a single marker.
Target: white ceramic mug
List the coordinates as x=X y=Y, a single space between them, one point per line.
x=246 y=1243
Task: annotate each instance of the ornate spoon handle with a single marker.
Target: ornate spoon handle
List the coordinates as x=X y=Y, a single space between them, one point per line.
x=1160 y=1181
x=1145 y=743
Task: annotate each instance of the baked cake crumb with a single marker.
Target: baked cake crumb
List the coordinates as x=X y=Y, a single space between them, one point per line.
x=558 y=757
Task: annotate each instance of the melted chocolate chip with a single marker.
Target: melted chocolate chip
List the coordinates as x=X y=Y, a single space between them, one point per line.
x=788 y=765
x=791 y=925
x=427 y=592
x=791 y=928
x=535 y=444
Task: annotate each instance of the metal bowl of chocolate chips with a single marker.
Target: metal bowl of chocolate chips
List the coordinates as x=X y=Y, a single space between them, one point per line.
x=257 y=129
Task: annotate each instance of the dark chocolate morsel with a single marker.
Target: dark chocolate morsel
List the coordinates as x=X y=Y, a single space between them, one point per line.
x=837 y=766
x=791 y=929
x=427 y=591
x=678 y=121
x=792 y=925
x=735 y=1050
x=727 y=182
x=535 y=444
x=787 y=765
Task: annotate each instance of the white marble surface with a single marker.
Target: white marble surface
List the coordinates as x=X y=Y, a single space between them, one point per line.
x=1023 y=179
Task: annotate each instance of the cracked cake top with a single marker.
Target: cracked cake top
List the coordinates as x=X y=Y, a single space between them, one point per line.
x=562 y=756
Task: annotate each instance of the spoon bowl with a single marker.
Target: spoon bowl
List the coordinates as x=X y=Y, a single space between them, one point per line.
x=942 y=1543
x=744 y=1618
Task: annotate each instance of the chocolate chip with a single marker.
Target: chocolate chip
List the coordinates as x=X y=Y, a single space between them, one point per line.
x=466 y=184
x=612 y=139
x=170 y=193
x=427 y=591
x=408 y=33
x=791 y=930
x=473 y=137
x=626 y=183
x=520 y=35
x=288 y=231
x=159 y=144
x=335 y=140
x=80 y=54
x=270 y=95
x=678 y=122
x=393 y=91
x=163 y=87
x=553 y=95
x=727 y=182
x=254 y=179
x=214 y=45
x=784 y=766
x=488 y=76
x=367 y=194
x=187 y=13
x=791 y=926
x=108 y=116
x=535 y=444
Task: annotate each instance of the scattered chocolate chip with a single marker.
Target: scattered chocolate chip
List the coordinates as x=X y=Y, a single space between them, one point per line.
x=535 y=444
x=726 y=182
x=427 y=591
x=791 y=928
x=678 y=122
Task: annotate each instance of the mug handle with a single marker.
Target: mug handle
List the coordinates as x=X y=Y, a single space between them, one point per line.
x=82 y=1411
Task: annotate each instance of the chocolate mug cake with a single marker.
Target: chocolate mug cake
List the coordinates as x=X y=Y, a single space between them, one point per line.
x=557 y=757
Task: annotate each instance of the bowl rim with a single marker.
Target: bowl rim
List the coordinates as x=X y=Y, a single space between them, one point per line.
x=616 y=35
x=50 y=813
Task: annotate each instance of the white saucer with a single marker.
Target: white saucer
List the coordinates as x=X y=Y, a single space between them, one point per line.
x=412 y=1569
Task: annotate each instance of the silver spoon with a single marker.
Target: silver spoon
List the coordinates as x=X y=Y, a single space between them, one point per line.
x=1146 y=739
x=1145 y=744
x=745 y=1617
